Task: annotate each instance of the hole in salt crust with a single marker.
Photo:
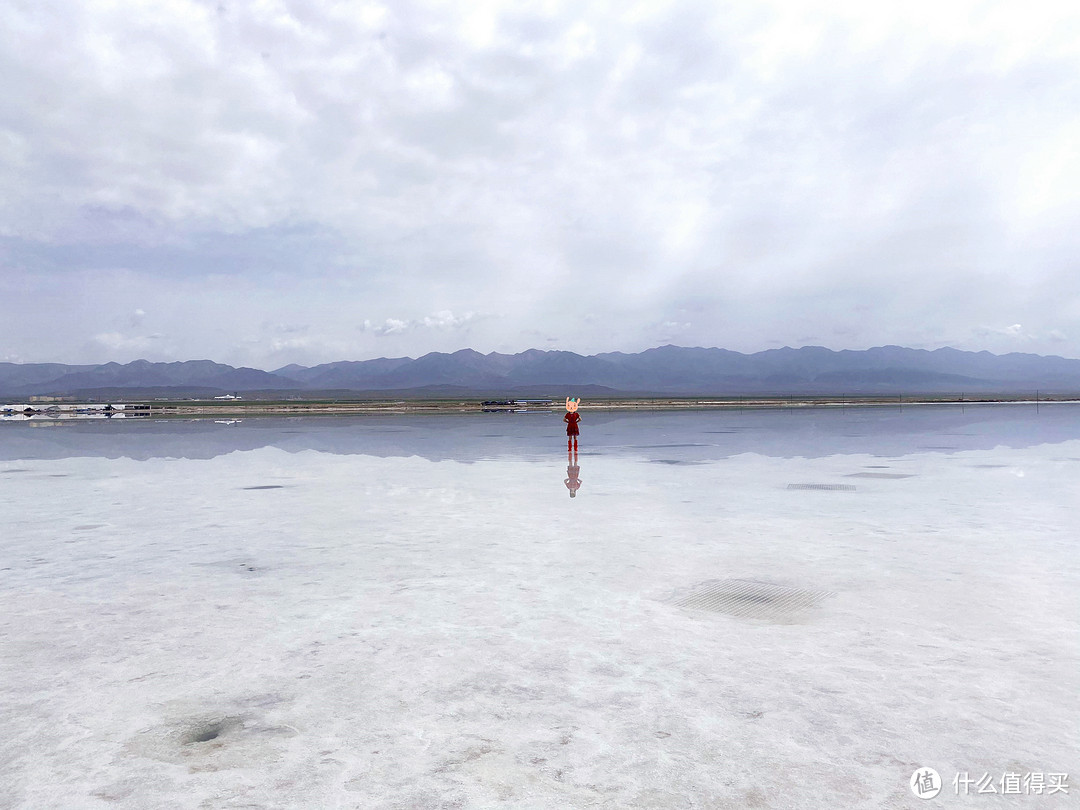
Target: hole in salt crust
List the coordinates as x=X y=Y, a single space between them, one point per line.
x=209 y=731
x=206 y=735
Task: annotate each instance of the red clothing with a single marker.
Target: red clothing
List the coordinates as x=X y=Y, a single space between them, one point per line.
x=571 y=420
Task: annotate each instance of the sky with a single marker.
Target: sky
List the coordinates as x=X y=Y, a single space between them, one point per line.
x=302 y=181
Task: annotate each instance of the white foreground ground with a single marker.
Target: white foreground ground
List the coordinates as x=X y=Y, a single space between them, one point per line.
x=395 y=632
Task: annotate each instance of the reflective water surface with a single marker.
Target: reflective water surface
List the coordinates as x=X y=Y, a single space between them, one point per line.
x=787 y=608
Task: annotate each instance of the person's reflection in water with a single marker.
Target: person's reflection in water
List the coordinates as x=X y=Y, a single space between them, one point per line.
x=573 y=472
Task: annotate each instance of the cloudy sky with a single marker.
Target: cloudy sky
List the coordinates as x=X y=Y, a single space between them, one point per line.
x=277 y=181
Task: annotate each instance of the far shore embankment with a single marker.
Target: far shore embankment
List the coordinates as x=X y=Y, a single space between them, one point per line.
x=234 y=408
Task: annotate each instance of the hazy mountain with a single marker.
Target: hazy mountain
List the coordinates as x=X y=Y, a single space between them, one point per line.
x=345 y=374
x=192 y=375
x=663 y=370
x=15 y=375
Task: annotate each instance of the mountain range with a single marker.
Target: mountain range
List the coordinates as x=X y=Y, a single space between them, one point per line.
x=666 y=370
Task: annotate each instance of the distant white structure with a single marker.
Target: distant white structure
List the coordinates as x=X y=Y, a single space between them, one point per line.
x=229 y=396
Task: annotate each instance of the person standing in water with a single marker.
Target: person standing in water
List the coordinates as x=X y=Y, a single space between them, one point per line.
x=572 y=417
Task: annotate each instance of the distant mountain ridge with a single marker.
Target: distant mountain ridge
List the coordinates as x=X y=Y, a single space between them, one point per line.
x=665 y=370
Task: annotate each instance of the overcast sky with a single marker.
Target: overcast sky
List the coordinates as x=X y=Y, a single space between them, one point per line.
x=281 y=181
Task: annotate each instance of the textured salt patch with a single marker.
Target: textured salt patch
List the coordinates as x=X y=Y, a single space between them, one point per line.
x=837 y=487
x=879 y=475
x=663 y=446
x=211 y=742
x=242 y=566
x=751 y=599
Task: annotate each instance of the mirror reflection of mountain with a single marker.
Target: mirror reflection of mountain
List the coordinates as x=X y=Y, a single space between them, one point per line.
x=690 y=435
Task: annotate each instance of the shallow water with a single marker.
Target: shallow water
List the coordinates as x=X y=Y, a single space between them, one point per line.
x=738 y=609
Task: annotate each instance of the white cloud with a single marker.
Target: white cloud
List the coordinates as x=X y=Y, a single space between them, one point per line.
x=278 y=345
x=442 y=320
x=446 y=319
x=392 y=326
x=750 y=173
x=132 y=346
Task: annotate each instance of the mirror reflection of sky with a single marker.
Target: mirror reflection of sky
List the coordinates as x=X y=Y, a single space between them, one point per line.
x=660 y=436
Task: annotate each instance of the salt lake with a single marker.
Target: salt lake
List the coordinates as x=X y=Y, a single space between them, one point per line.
x=787 y=608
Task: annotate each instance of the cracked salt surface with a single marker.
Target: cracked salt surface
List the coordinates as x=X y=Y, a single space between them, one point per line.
x=426 y=620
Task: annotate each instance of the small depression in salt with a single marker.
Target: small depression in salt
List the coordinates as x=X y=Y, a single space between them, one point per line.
x=782 y=608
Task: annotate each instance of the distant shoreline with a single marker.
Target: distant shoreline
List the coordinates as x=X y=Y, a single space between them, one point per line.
x=182 y=408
